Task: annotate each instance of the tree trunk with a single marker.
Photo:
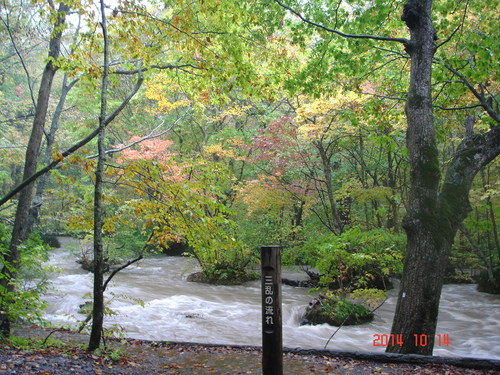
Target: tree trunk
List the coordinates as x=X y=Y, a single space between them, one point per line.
x=19 y=232
x=98 y=292
x=98 y=306
x=491 y=211
x=392 y=222
x=332 y=217
x=433 y=217
x=34 y=216
x=418 y=301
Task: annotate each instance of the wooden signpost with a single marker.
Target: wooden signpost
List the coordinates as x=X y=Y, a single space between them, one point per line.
x=272 y=330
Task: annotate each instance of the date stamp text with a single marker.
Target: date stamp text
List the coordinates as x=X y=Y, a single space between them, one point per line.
x=420 y=340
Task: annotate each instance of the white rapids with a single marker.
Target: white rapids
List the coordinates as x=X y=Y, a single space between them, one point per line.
x=177 y=310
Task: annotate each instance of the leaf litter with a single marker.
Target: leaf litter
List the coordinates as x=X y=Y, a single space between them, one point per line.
x=144 y=357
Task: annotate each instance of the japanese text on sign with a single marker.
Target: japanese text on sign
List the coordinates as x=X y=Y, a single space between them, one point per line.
x=268 y=300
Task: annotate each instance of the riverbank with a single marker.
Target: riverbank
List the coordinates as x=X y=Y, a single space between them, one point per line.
x=129 y=357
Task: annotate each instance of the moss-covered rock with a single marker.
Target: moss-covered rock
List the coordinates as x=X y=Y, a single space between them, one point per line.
x=336 y=311
x=223 y=278
x=89 y=264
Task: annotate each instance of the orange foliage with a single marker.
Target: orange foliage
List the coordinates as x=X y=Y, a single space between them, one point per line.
x=150 y=149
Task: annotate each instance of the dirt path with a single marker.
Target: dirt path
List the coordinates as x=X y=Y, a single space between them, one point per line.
x=142 y=357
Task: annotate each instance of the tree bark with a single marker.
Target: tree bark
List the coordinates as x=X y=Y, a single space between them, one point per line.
x=98 y=291
x=19 y=232
x=430 y=239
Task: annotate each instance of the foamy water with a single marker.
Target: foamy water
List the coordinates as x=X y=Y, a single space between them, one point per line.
x=177 y=310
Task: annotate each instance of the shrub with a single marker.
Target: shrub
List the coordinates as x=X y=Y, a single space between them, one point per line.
x=355 y=259
x=488 y=285
x=230 y=266
x=51 y=240
x=24 y=303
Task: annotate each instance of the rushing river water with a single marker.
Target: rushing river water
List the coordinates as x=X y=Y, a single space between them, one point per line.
x=177 y=310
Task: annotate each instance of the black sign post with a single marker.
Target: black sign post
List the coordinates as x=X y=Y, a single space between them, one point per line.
x=272 y=330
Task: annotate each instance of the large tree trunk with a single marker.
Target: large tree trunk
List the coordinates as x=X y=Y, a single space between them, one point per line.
x=20 y=231
x=433 y=217
x=418 y=302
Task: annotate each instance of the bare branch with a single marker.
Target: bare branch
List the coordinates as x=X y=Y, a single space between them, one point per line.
x=2 y=147
x=381 y=66
x=457 y=108
x=7 y=220
x=122 y=267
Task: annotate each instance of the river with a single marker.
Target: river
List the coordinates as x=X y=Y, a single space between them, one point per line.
x=177 y=310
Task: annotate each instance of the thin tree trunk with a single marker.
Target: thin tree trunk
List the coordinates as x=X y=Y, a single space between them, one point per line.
x=491 y=212
x=486 y=259
x=98 y=294
x=19 y=232
x=34 y=216
x=331 y=210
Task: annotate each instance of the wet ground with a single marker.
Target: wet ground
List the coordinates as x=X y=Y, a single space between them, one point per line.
x=129 y=357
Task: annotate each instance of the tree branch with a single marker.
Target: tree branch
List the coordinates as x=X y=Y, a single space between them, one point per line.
x=116 y=270
x=457 y=28
x=457 y=108
x=479 y=95
x=151 y=135
x=344 y=35
x=75 y=147
x=158 y=67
